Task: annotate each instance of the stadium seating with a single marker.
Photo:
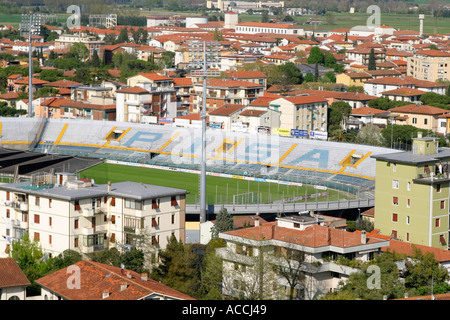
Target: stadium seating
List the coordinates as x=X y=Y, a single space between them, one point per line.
x=266 y=156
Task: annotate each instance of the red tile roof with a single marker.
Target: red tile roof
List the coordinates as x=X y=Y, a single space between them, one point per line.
x=97 y=278
x=305 y=99
x=366 y=111
x=135 y=90
x=314 y=236
x=404 y=92
x=252 y=113
x=11 y=275
x=227 y=110
x=419 y=109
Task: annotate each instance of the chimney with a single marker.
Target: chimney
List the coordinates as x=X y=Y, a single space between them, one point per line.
x=144 y=277
x=123 y=286
x=363 y=237
x=419 y=134
x=105 y=294
x=129 y=274
x=256 y=222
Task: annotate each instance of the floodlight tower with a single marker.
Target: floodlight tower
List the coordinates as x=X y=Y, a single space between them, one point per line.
x=209 y=58
x=32 y=24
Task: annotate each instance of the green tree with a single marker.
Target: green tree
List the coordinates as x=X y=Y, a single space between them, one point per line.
x=133 y=259
x=224 y=222
x=79 y=51
x=95 y=60
x=178 y=268
x=29 y=256
x=211 y=276
x=123 y=36
x=359 y=285
x=315 y=56
x=372 y=65
x=370 y=134
x=65 y=259
x=422 y=269
x=265 y=16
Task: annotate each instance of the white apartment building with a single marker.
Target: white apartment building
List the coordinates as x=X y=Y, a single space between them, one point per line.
x=261 y=27
x=61 y=212
x=298 y=244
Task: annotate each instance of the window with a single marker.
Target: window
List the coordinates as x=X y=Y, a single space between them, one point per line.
x=395 y=201
x=437 y=223
x=438 y=187
x=75 y=224
x=24 y=217
x=77 y=205
x=408 y=203
x=37 y=201
x=407 y=236
x=7 y=213
x=173 y=219
x=394 y=217
x=414 y=120
x=49 y=203
x=36 y=218
x=113 y=219
x=442 y=240
x=395 y=184
x=394 y=167
x=50 y=221
x=36 y=236
x=155 y=222
x=50 y=239
x=408 y=219
x=443 y=204
x=113 y=201
x=75 y=242
x=394 y=234
x=425 y=121
x=113 y=237
x=155 y=204
x=133 y=204
x=408 y=187
x=174 y=202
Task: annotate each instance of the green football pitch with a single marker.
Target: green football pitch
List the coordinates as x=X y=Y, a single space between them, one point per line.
x=219 y=190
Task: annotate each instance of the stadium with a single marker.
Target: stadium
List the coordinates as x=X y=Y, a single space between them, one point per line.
x=259 y=158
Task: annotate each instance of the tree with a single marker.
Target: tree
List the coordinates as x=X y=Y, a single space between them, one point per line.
x=224 y=222
x=30 y=258
x=372 y=65
x=65 y=259
x=315 y=56
x=211 y=276
x=291 y=269
x=359 y=285
x=178 y=268
x=265 y=16
x=95 y=60
x=423 y=269
x=370 y=134
x=140 y=36
x=123 y=36
x=79 y=51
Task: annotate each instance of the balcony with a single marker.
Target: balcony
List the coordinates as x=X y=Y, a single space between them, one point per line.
x=23 y=206
x=432 y=178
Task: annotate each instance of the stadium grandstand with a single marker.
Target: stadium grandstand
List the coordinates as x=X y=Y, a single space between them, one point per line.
x=262 y=156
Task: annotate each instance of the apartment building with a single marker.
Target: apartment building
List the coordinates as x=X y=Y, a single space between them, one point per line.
x=226 y=91
x=417 y=115
x=261 y=27
x=412 y=194
x=302 y=112
x=65 y=41
x=429 y=65
x=302 y=245
x=61 y=212
x=138 y=103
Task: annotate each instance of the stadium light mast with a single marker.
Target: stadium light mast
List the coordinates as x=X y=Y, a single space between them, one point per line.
x=32 y=24
x=208 y=58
